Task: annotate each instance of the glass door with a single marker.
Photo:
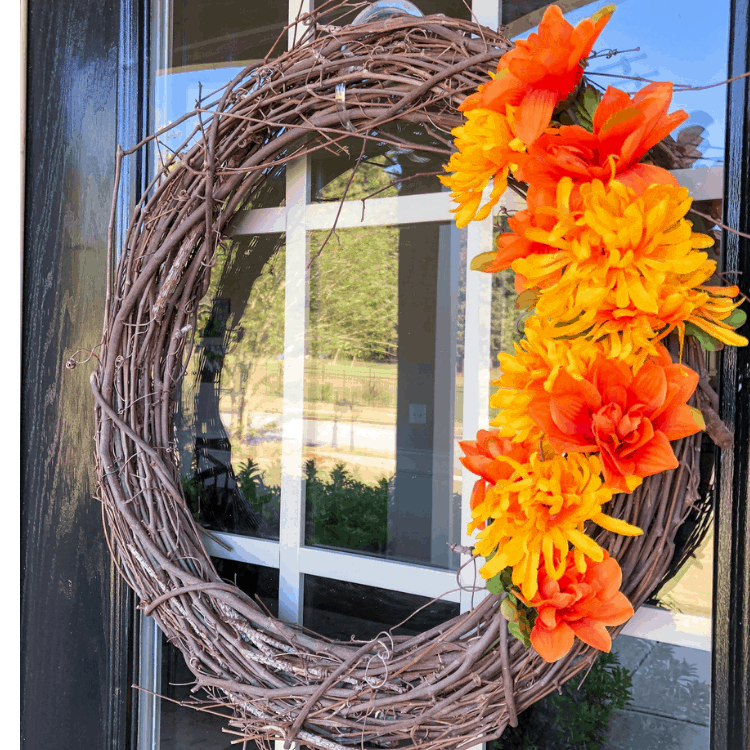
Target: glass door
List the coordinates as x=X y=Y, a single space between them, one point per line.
x=342 y=354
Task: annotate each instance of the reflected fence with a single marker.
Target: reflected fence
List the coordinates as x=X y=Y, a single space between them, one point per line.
x=349 y=385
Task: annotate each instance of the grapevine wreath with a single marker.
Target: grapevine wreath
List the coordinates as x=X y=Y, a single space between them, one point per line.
x=593 y=462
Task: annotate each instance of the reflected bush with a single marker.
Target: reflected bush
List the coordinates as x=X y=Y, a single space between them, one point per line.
x=575 y=719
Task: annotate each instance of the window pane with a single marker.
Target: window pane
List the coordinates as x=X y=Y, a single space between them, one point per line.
x=341 y=610
x=184 y=728
x=206 y=32
x=693 y=53
x=229 y=426
x=379 y=392
x=384 y=163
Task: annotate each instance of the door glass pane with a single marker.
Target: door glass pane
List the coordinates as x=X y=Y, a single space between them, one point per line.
x=229 y=426
x=380 y=373
x=207 y=33
x=185 y=728
x=692 y=53
x=341 y=610
x=389 y=166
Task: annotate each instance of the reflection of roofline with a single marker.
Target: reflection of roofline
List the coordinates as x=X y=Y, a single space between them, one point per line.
x=531 y=20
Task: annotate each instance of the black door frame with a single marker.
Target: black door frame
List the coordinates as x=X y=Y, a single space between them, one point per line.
x=730 y=680
x=59 y=705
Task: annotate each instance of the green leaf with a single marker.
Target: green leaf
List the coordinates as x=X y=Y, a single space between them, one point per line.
x=590 y=101
x=508 y=611
x=506 y=576
x=495 y=584
x=737 y=318
x=481 y=261
x=515 y=631
x=708 y=342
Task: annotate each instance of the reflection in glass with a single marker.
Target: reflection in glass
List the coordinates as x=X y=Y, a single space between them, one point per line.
x=379 y=390
x=694 y=53
x=229 y=432
x=341 y=610
x=185 y=728
x=389 y=167
x=206 y=32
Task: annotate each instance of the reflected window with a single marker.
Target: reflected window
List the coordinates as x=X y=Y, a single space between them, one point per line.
x=229 y=427
x=379 y=428
x=341 y=610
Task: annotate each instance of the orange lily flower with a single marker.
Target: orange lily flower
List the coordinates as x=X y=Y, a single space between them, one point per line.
x=628 y=419
x=540 y=71
x=624 y=130
x=578 y=604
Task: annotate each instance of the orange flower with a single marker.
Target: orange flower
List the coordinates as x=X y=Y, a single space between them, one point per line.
x=624 y=267
x=629 y=419
x=624 y=130
x=551 y=225
x=578 y=604
x=540 y=71
x=480 y=459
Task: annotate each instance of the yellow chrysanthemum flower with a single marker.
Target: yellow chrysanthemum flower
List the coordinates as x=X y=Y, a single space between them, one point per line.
x=541 y=507
x=486 y=144
x=634 y=273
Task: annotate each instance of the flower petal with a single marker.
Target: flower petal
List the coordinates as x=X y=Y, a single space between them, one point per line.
x=552 y=645
x=592 y=632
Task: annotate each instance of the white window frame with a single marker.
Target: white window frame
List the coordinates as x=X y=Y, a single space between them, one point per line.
x=289 y=555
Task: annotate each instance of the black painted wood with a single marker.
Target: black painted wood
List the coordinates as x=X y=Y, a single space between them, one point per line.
x=731 y=607
x=75 y=613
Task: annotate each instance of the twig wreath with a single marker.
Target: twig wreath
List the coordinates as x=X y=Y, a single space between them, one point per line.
x=466 y=680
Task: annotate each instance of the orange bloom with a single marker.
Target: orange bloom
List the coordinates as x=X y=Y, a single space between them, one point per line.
x=624 y=130
x=629 y=419
x=578 y=604
x=540 y=71
x=624 y=267
x=480 y=459
x=548 y=223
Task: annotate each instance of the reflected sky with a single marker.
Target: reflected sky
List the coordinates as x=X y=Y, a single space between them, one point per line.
x=683 y=41
x=680 y=41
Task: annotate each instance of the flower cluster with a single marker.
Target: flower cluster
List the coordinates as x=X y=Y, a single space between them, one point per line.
x=590 y=401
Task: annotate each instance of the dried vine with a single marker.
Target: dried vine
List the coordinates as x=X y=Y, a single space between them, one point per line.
x=453 y=686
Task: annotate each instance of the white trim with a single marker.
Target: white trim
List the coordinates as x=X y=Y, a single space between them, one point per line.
x=443 y=406
x=704 y=183
x=410 y=209
x=692 y=631
x=373 y=571
x=244 y=549
x=488 y=13
x=477 y=326
x=291 y=523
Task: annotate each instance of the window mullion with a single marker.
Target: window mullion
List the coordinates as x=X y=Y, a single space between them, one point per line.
x=291 y=527
x=476 y=373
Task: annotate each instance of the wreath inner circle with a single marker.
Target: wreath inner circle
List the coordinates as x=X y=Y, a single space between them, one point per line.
x=458 y=684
